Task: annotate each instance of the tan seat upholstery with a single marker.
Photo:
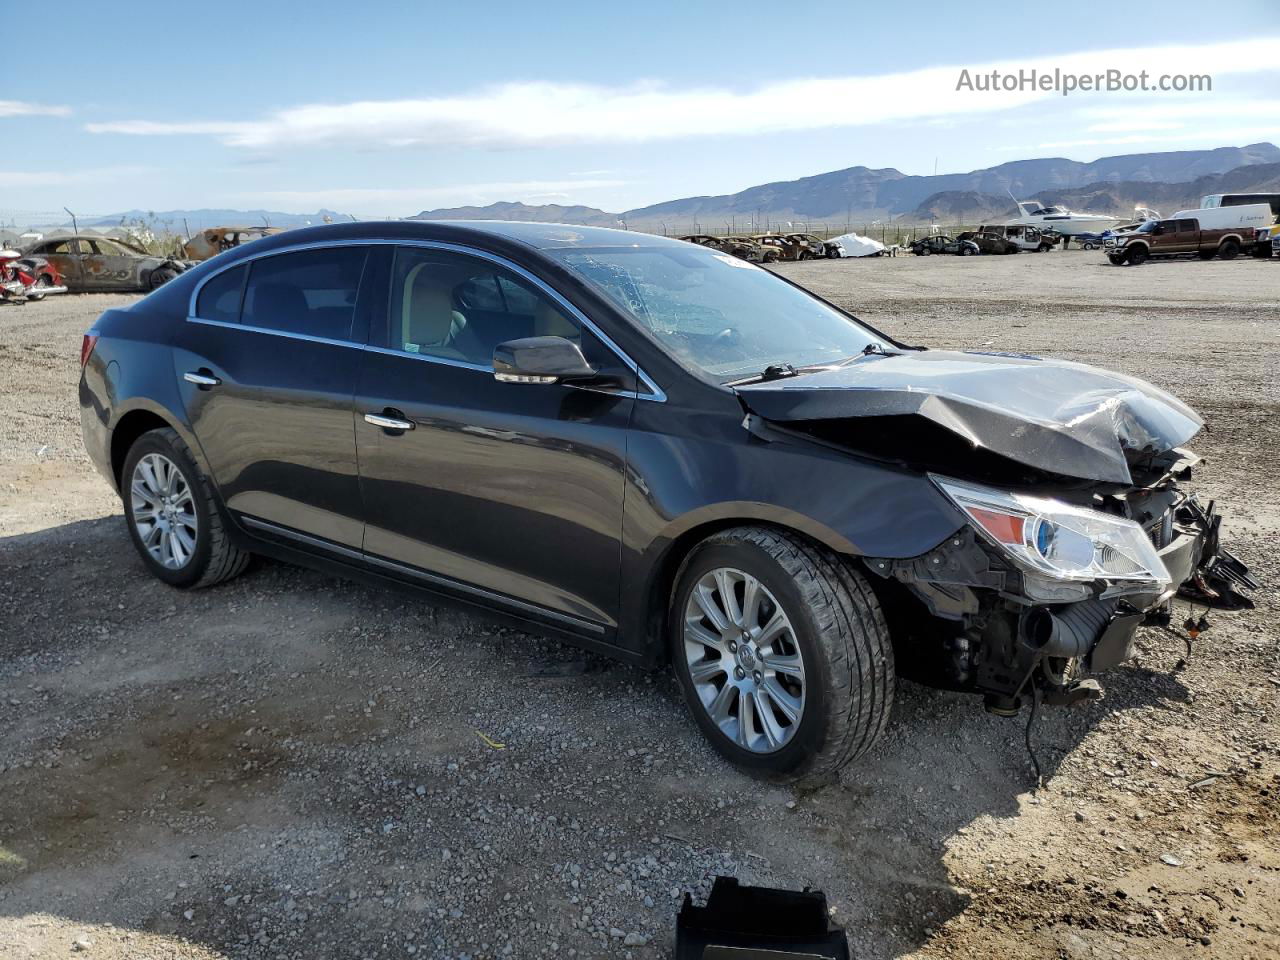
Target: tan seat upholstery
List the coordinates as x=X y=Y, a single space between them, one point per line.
x=550 y=322
x=428 y=322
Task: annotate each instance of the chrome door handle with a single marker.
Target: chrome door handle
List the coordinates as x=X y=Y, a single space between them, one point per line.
x=388 y=423
x=200 y=379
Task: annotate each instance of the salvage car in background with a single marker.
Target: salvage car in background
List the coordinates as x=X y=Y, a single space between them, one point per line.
x=941 y=243
x=854 y=245
x=991 y=243
x=216 y=240
x=785 y=248
x=739 y=247
x=94 y=264
x=661 y=454
x=812 y=248
x=1022 y=236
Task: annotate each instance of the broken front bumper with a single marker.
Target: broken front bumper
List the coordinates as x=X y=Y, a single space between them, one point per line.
x=1009 y=636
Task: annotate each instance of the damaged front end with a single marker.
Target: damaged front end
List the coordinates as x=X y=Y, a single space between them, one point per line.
x=1069 y=479
x=1043 y=591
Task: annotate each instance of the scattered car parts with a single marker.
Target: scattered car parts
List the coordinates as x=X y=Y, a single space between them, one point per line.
x=758 y=923
x=854 y=245
x=24 y=278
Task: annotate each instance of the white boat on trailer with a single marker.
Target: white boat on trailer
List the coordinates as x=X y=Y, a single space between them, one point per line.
x=1066 y=222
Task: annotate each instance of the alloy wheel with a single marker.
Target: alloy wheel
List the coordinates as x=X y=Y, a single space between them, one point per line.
x=743 y=659
x=163 y=510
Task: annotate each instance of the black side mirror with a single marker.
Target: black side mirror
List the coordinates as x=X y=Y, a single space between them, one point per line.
x=540 y=360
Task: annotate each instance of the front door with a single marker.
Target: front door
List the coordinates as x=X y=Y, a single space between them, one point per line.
x=107 y=265
x=509 y=493
x=267 y=370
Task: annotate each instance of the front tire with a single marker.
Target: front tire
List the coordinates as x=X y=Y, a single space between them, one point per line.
x=172 y=516
x=782 y=653
x=1137 y=256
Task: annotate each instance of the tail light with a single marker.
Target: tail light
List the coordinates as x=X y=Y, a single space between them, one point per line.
x=86 y=348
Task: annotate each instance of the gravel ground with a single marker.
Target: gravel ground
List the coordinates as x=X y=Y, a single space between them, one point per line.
x=295 y=766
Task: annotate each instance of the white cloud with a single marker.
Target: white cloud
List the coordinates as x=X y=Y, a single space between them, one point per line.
x=58 y=178
x=545 y=113
x=379 y=201
x=20 y=108
x=1174 y=116
x=1188 y=139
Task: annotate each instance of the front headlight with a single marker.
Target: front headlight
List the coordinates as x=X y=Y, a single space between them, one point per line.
x=1059 y=540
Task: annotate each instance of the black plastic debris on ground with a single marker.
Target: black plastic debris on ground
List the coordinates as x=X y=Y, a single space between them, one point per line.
x=758 y=923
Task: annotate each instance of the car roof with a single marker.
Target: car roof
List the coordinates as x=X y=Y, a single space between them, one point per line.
x=537 y=236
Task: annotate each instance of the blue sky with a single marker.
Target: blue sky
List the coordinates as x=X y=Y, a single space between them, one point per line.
x=389 y=108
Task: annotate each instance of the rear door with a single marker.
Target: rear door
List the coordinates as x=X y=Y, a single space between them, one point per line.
x=267 y=369
x=64 y=256
x=110 y=266
x=503 y=492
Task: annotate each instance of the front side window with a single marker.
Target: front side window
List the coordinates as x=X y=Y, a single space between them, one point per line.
x=109 y=248
x=718 y=314
x=311 y=292
x=459 y=308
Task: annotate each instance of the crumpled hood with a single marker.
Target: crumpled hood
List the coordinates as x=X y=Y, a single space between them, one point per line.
x=1064 y=418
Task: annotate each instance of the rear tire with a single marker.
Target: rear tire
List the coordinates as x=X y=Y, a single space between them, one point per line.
x=1229 y=250
x=163 y=507
x=835 y=635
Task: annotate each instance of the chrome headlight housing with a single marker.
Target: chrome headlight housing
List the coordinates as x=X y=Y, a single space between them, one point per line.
x=1059 y=540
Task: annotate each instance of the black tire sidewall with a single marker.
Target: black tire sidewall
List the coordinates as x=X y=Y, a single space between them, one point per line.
x=807 y=741
x=156 y=441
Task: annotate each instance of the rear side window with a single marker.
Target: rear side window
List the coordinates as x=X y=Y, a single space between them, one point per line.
x=1185 y=225
x=312 y=292
x=220 y=298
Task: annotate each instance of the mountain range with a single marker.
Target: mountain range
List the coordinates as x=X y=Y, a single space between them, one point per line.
x=539 y=213
x=1115 y=197
x=889 y=192
x=1168 y=181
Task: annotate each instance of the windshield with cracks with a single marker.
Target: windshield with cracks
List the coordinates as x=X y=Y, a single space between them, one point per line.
x=718 y=314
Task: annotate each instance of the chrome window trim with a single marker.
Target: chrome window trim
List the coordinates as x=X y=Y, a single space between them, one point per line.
x=655 y=393
x=277 y=333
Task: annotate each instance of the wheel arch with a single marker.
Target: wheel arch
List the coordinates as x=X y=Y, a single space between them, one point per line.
x=142 y=415
x=127 y=430
x=674 y=548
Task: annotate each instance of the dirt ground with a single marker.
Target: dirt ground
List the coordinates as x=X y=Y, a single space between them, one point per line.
x=294 y=766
